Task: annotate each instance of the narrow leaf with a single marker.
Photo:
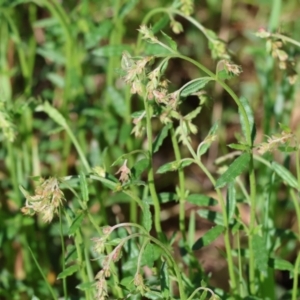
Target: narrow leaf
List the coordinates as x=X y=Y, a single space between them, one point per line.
x=160 y=138
x=68 y=272
x=201 y=200
x=241 y=147
x=163 y=198
x=250 y=118
x=260 y=253
x=171 y=43
x=160 y=24
x=117 y=101
x=230 y=201
x=211 y=216
x=208 y=237
x=111 y=50
x=194 y=86
x=285 y=175
x=204 y=146
x=234 y=170
x=281 y=264
x=147 y=217
x=84 y=187
x=53 y=114
x=164 y=280
x=76 y=224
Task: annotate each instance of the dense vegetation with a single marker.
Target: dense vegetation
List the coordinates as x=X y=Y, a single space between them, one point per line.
x=149 y=149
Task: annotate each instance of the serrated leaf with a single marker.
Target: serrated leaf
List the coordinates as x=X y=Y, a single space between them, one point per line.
x=241 y=147
x=230 y=201
x=68 y=272
x=84 y=187
x=223 y=75
x=285 y=175
x=201 y=200
x=163 y=198
x=147 y=217
x=111 y=50
x=204 y=146
x=193 y=114
x=211 y=216
x=164 y=280
x=76 y=224
x=280 y=264
x=150 y=254
x=171 y=43
x=250 y=117
x=117 y=101
x=86 y=286
x=174 y=165
x=139 y=167
x=234 y=170
x=208 y=237
x=194 y=86
x=260 y=253
x=160 y=138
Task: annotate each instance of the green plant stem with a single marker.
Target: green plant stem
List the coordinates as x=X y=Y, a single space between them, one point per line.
x=78 y=241
x=224 y=214
x=295 y=281
x=43 y=275
x=181 y=184
x=286 y=39
x=63 y=253
x=151 y=184
x=297 y=209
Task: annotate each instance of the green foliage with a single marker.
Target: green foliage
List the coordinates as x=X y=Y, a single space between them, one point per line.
x=111 y=150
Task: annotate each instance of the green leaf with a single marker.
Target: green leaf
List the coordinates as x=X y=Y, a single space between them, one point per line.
x=234 y=170
x=208 y=237
x=193 y=114
x=250 y=117
x=171 y=43
x=111 y=50
x=223 y=75
x=147 y=217
x=194 y=86
x=160 y=138
x=241 y=147
x=230 y=201
x=260 y=253
x=76 y=224
x=204 y=146
x=139 y=167
x=127 y=8
x=164 y=280
x=280 y=264
x=163 y=198
x=68 y=272
x=84 y=187
x=162 y=23
x=285 y=175
x=117 y=101
x=150 y=254
x=211 y=216
x=86 y=286
x=53 y=113
x=174 y=165
x=201 y=200
x=191 y=229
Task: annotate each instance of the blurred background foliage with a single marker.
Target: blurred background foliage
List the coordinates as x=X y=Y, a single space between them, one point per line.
x=69 y=53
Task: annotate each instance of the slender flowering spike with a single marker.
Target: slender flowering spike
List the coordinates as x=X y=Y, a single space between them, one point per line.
x=139 y=283
x=232 y=68
x=147 y=34
x=46 y=201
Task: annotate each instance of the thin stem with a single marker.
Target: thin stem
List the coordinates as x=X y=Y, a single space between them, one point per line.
x=181 y=184
x=295 y=281
x=63 y=250
x=151 y=184
x=286 y=39
x=224 y=214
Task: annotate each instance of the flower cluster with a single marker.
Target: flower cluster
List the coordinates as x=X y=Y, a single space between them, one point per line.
x=46 y=201
x=275 y=141
x=187 y=7
x=124 y=172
